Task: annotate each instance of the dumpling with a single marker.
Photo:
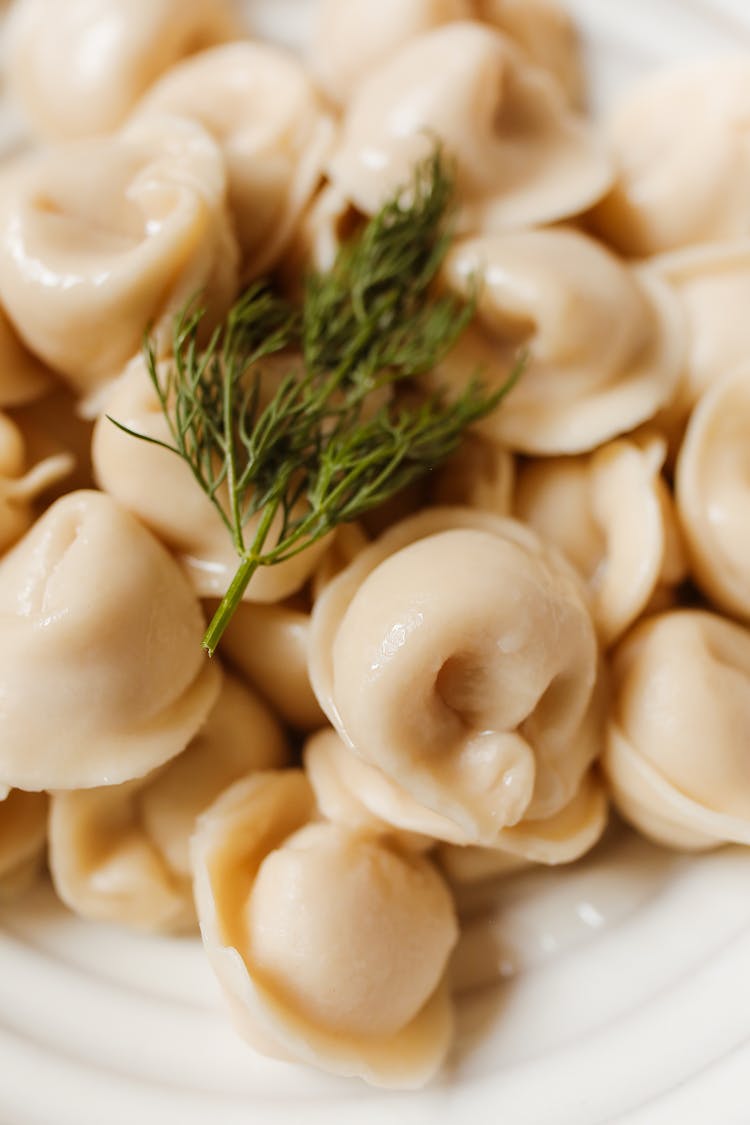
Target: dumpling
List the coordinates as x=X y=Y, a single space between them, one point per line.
x=121 y=853
x=351 y=38
x=21 y=483
x=680 y=142
x=77 y=67
x=562 y=838
x=713 y=492
x=264 y=111
x=610 y=512
x=676 y=757
x=101 y=670
x=480 y=474
x=713 y=286
x=23 y=838
x=604 y=343
x=100 y=239
x=330 y=945
x=522 y=156
x=351 y=792
x=158 y=487
x=548 y=35
x=433 y=656
x=268 y=646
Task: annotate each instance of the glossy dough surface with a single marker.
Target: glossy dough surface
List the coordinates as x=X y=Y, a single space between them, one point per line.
x=101 y=624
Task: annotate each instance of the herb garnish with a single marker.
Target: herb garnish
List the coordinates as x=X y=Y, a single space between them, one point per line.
x=320 y=447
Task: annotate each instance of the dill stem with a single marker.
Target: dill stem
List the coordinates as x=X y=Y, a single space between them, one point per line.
x=247 y=568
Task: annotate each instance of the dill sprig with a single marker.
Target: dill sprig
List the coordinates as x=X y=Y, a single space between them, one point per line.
x=333 y=437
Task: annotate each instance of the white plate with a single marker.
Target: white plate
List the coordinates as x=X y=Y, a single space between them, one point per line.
x=628 y=976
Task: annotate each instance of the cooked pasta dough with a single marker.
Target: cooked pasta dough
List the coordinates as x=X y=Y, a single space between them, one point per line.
x=100 y=238
x=330 y=944
x=78 y=66
x=351 y=792
x=351 y=38
x=676 y=756
x=263 y=109
x=604 y=343
x=680 y=141
x=432 y=656
x=179 y=513
x=561 y=838
x=23 y=838
x=522 y=156
x=713 y=285
x=100 y=624
x=612 y=515
x=121 y=853
x=268 y=645
x=713 y=492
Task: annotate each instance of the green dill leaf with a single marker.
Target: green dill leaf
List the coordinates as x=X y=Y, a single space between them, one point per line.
x=331 y=436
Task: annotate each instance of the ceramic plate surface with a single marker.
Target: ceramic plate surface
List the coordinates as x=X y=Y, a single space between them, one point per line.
x=625 y=980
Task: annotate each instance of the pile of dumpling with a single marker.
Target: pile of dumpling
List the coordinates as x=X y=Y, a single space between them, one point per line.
x=458 y=686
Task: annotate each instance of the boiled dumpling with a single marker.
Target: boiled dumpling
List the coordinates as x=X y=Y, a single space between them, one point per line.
x=264 y=111
x=121 y=853
x=713 y=492
x=351 y=38
x=676 y=756
x=562 y=838
x=680 y=142
x=522 y=156
x=612 y=515
x=101 y=671
x=77 y=66
x=100 y=238
x=268 y=646
x=603 y=342
x=432 y=655
x=712 y=283
x=331 y=945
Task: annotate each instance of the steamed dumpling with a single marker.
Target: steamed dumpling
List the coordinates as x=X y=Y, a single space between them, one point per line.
x=330 y=945
x=23 y=838
x=713 y=492
x=680 y=142
x=264 y=111
x=100 y=627
x=432 y=655
x=604 y=343
x=158 y=486
x=121 y=853
x=612 y=515
x=78 y=66
x=100 y=238
x=351 y=38
x=676 y=757
x=522 y=156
